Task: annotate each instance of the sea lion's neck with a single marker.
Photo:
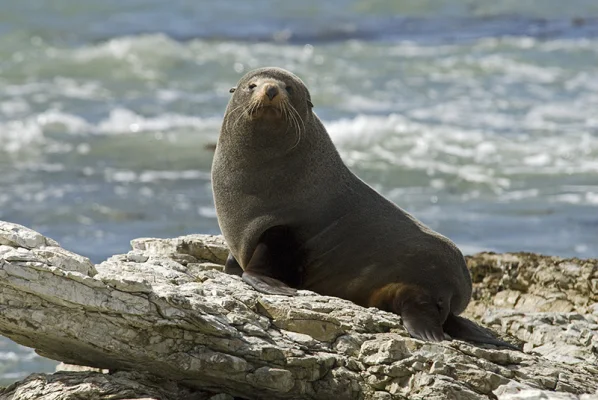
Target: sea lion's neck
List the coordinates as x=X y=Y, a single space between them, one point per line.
x=269 y=151
x=272 y=138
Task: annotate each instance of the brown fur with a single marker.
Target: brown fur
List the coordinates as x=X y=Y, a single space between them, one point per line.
x=295 y=217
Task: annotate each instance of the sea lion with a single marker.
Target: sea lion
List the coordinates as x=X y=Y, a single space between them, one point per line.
x=295 y=217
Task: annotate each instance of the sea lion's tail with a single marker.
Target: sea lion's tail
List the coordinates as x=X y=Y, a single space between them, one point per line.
x=464 y=329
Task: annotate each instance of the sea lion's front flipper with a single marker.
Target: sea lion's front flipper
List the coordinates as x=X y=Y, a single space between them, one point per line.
x=232 y=267
x=259 y=270
x=265 y=284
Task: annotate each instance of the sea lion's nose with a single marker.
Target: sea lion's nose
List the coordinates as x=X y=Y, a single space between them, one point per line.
x=271 y=92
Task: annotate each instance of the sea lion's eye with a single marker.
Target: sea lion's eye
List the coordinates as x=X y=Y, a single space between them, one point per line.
x=289 y=89
x=252 y=86
x=232 y=90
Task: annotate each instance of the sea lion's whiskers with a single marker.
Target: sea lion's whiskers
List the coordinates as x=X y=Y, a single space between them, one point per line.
x=247 y=112
x=234 y=110
x=239 y=117
x=296 y=118
x=292 y=121
x=254 y=106
x=298 y=138
x=285 y=114
x=300 y=119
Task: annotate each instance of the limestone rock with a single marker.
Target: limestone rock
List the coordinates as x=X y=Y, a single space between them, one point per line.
x=98 y=386
x=168 y=319
x=549 y=303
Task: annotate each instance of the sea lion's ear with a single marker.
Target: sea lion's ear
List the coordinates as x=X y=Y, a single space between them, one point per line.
x=232 y=90
x=310 y=104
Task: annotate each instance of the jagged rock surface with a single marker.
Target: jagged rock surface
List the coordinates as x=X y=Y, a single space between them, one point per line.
x=549 y=303
x=98 y=386
x=165 y=309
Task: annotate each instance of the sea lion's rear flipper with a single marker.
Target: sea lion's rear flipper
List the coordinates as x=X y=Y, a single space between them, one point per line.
x=420 y=313
x=464 y=329
x=232 y=267
x=423 y=323
x=418 y=309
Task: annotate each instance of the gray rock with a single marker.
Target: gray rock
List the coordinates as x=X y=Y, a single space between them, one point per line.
x=99 y=386
x=15 y=235
x=165 y=311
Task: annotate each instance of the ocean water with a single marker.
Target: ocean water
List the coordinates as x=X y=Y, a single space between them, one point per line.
x=480 y=118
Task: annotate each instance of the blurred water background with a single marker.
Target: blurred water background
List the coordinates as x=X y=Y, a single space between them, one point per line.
x=479 y=117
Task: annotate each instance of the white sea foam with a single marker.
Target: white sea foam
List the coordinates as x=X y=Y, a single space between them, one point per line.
x=150 y=176
x=57 y=86
x=68 y=122
x=123 y=47
x=392 y=142
x=513 y=70
x=207 y=212
x=591 y=197
x=14 y=107
x=519 y=194
x=485 y=114
x=537 y=44
x=123 y=120
x=17 y=135
x=472 y=155
x=13 y=376
x=571 y=198
x=127 y=176
x=9 y=356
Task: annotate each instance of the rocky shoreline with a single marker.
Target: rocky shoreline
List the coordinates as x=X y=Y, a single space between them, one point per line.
x=164 y=322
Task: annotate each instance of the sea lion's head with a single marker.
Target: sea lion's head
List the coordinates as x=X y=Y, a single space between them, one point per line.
x=271 y=99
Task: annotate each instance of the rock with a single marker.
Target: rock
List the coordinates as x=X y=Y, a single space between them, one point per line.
x=546 y=302
x=98 y=386
x=202 y=247
x=515 y=391
x=172 y=324
x=62 y=367
x=14 y=235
